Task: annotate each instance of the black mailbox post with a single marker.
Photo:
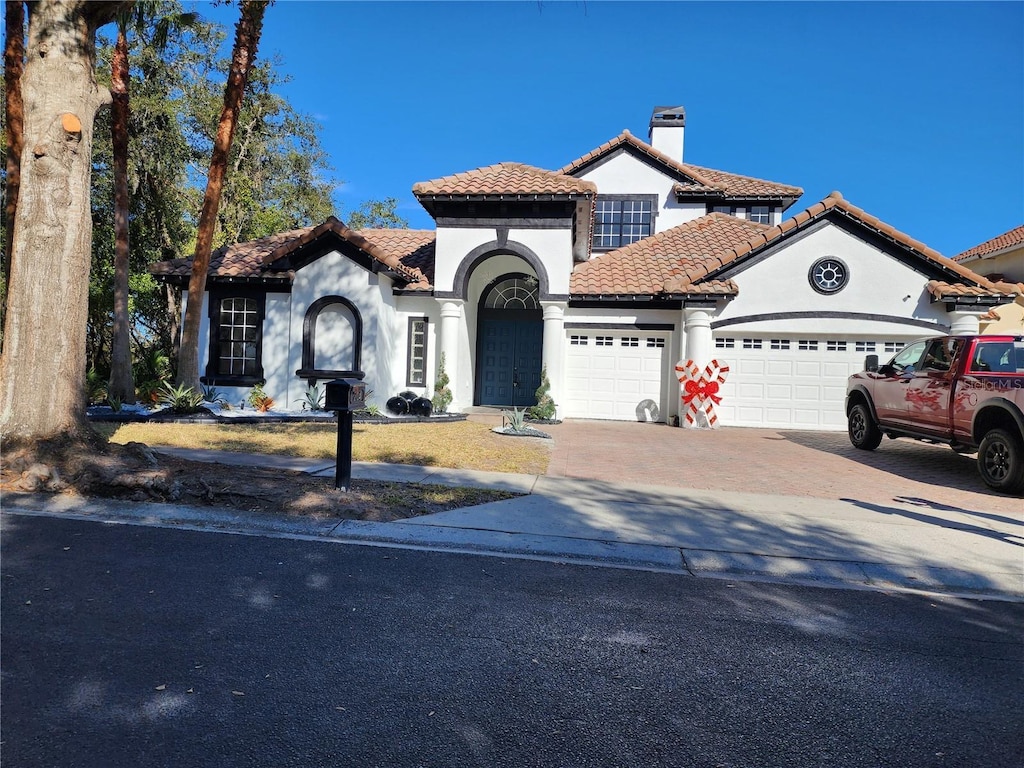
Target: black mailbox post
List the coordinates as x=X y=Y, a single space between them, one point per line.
x=343 y=397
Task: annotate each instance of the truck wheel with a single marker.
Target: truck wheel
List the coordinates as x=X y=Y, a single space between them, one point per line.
x=863 y=431
x=1001 y=461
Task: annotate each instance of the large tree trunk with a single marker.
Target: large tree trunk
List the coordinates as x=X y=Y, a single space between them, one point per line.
x=247 y=37
x=42 y=369
x=14 y=64
x=121 y=385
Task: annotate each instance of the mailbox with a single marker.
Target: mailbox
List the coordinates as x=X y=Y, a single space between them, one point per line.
x=345 y=395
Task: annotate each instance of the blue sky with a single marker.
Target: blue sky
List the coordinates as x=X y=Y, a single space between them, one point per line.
x=914 y=111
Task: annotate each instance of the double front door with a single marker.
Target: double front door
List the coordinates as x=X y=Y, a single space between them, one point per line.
x=509 y=363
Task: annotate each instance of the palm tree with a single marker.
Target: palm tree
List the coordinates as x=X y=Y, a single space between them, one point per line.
x=247 y=37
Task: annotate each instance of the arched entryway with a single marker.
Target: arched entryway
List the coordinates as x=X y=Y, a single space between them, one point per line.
x=510 y=333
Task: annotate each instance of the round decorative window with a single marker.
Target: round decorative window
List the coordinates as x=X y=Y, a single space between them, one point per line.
x=828 y=275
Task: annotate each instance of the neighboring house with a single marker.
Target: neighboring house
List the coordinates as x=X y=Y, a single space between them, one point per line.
x=1001 y=258
x=606 y=273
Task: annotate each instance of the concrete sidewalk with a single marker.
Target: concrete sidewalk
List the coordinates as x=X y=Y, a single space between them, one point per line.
x=905 y=545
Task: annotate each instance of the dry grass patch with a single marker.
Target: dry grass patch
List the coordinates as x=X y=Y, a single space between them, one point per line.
x=458 y=444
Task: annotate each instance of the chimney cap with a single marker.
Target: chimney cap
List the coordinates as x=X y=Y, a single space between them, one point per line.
x=675 y=116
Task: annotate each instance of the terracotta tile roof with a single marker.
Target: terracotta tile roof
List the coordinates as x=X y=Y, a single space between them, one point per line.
x=1001 y=242
x=256 y=259
x=674 y=261
x=942 y=290
x=505 y=179
x=238 y=260
x=835 y=202
x=702 y=180
x=685 y=259
x=413 y=247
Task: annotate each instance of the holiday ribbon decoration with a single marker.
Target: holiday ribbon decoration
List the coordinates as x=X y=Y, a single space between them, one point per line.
x=700 y=393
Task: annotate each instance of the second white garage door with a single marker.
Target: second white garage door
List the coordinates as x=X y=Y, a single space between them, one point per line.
x=792 y=382
x=615 y=375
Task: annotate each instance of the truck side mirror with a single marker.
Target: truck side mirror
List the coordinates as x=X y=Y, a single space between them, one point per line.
x=871 y=363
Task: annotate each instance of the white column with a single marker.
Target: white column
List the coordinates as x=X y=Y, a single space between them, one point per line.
x=963 y=323
x=698 y=347
x=451 y=315
x=554 y=348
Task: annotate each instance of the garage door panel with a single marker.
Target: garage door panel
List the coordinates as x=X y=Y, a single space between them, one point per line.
x=610 y=381
x=838 y=368
x=749 y=367
x=810 y=368
x=751 y=390
x=780 y=391
x=780 y=368
x=805 y=393
x=799 y=385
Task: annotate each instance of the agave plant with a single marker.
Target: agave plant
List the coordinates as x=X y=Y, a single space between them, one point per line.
x=180 y=399
x=514 y=419
x=313 y=399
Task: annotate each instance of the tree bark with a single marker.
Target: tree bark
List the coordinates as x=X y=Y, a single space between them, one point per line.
x=247 y=37
x=14 y=65
x=121 y=385
x=42 y=369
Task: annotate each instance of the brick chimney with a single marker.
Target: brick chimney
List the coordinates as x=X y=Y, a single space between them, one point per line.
x=666 y=131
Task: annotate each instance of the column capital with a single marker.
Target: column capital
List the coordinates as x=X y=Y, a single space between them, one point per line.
x=451 y=307
x=964 y=323
x=554 y=310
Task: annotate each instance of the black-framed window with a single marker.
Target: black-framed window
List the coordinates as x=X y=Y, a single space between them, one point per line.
x=728 y=209
x=236 y=338
x=762 y=214
x=619 y=221
x=416 y=366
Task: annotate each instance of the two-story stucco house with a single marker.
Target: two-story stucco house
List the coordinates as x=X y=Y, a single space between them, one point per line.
x=605 y=272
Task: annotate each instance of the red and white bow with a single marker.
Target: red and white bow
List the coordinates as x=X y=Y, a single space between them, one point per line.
x=700 y=392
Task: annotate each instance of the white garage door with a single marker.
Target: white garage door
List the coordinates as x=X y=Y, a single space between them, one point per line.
x=615 y=375
x=792 y=382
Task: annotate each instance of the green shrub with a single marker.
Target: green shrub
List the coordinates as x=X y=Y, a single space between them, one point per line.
x=259 y=399
x=545 y=407
x=95 y=386
x=442 y=395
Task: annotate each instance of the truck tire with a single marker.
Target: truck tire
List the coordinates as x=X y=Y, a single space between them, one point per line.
x=861 y=427
x=1001 y=461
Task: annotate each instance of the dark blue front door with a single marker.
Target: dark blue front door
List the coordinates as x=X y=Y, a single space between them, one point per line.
x=510 y=358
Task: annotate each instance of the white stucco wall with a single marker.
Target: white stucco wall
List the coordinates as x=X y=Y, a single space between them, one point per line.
x=623 y=174
x=336 y=275
x=878 y=285
x=552 y=246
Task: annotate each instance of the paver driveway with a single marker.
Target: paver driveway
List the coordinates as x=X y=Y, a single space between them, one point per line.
x=792 y=463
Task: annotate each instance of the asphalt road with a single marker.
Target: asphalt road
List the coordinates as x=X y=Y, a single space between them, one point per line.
x=134 y=646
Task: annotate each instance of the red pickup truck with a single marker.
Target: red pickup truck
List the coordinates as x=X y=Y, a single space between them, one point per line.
x=966 y=391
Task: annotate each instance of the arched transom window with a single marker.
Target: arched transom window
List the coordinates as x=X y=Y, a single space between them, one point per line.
x=514 y=293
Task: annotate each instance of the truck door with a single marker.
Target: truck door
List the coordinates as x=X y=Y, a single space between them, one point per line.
x=929 y=390
x=890 y=388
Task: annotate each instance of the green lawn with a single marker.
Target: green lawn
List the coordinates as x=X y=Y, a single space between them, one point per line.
x=458 y=444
